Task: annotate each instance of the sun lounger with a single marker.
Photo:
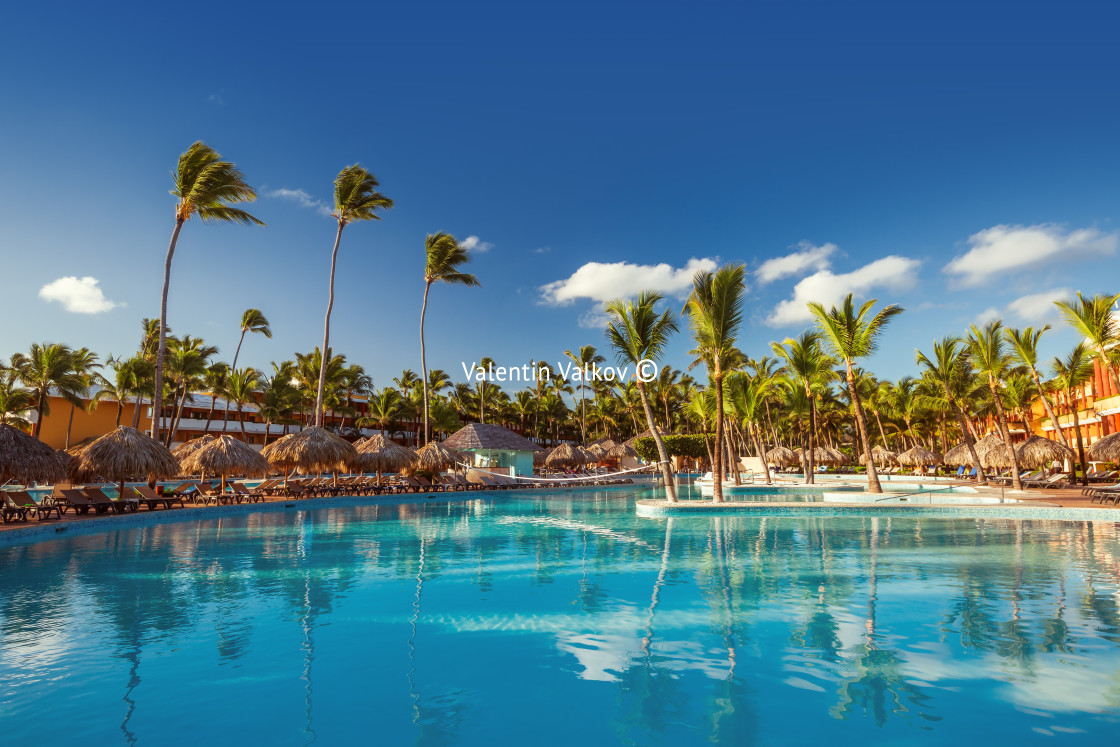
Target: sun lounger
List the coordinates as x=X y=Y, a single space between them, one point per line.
x=148 y=497
x=9 y=510
x=24 y=500
x=1053 y=481
x=82 y=503
x=120 y=504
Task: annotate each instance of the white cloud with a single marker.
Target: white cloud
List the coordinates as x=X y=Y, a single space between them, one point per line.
x=827 y=288
x=543 y=250
x=302 y=198
x=475 y=244
x=603 y=281
x=1038 y=307
x=989 y=314
x=999 y=249
x=78 y=295
x=808 y=257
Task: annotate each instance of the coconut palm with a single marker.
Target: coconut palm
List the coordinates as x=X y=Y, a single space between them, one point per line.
x=355 y=199
x=83 y=362
x=852 y=335
x=951 y=369
x=1024 y=346
x=382 y=411
x=208 y=187
x=444 y=257
x=241 y=389
x=252 y=320
x=46 y=367
x=809 y=371
x=587 y=357
x=278 y=399
x=482 y=386
x=187 y=364
x=715 y=310
x=1094 y=319
x=1071 y=374
x=214 y=381
x=990 y=358
x=15 y=401
x=636 y=332
x=747 y=394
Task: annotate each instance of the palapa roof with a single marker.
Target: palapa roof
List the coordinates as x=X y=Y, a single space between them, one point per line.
x=589 y=456
x=918 y=457
x=437 y=456
x=313 y=449
x=184 y=450
x=781 y=456
x=539 y=457
x=622 y=451
x=1106 y=449
x=881 y=455
x=27 y=459
x=957 y=456
x=597 y=450
x=564 y=455
x=482 y=436
x=380 y=454
x=987 y=443
x=1037 y=452
x=226 y=455
x=126 y=453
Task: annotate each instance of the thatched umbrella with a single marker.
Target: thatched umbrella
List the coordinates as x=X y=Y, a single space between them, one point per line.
x=589 y=456
x=380 y=454
x=125 y=453
x=781 y=456
x=1037 y=452
x=918 y=457
x=436 y=456
x=823 y=455
x=622 y=451
x=607 y=444
x=838 y=457
x=882 y=456
x=184 y=450
x=226 y=455
x=26 y=459
x=987 y=443
x=313 y=449
x=564 y=455
x=958 y=456
x=597 y=450
x=1106 y=449
x=540 y=456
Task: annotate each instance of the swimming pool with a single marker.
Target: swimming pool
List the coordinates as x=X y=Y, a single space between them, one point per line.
x=560 y=618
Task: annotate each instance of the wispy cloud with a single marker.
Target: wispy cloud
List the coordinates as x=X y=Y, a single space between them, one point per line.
x=602 y=281
x=302 y=198
x=78 y=295
x=1002 y=249
x=543 y=250
x=216 y=98
x=806 y=258
x=475 y=244
x=892 y=273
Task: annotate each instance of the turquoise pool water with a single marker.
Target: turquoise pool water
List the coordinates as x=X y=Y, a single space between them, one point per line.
x=562 y=619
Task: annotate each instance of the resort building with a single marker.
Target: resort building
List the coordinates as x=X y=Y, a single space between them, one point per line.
x=495 y=448
x=1098 y=411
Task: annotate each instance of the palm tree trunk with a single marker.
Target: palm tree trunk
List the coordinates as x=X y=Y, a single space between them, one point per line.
x=1005 y=432
x=1080 y=442
x=670 y=488
x=732 y=462
x=136 y=412
x=327 y=331
x=69 y=426
x=241 y=419
x=424 y=362
x=873 y=485
x=232 y=368
x=39 y=414
x=210 y=412
x=1046 y=405
x=882 y=433
x=717 y=484
x=120 y=409
x=770 y=422
x=967 y=433
x=161 y=354
x=757 y=433
x=810 y=479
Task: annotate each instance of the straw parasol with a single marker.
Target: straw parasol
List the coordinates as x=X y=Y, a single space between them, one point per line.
x=597 y=450
x=987 y=443
x=563 y=455
x=622 y=451
x=540 y=456
x=822 y=455
x=313 y=449
x=607 y=444
x=958 y=456
x=184 y=450
x=27 y=459
x=781 y=456
x=881 y=455
x=1106 y=449
x=379 y=454
x=1037 y=452
x=838 y=456
x=436 y=456
x=125 y=453
x=589 y=456
x=226 y=455
x=918 y=457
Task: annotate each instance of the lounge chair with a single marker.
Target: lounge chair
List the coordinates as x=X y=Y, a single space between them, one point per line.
x=120 y=504
x=24 y=500
x=1053 y=481
x=82 y=503
x=9 y=510
x=148 y=497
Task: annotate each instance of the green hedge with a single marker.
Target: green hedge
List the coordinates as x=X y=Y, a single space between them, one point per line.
x=685 y=446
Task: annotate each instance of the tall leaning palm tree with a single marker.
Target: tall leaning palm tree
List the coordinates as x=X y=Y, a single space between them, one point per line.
x=951 y=369
x=208 y=187
x=636 y=332
x=252 y=320
x=444 y=256
x=715 y=310
x=586 y=357
x=991 y=359
x=1024 y=346
x=852 y=335
x=355 y=199
x=1094 y=318
x=1071 y=374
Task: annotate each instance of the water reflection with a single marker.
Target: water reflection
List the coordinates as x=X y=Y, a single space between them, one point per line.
x=445 y=618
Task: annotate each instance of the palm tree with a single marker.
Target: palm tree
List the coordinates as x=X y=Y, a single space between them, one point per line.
x=588 y=356
x=208 y=187
x=214 y=381
x=991 y=359
x=83 y=362
x=1024 y=346
x=1094 y=320
x=355 y=199
x=715 y=310
x=46 y=367
x=15 y=401
x=852 y=335
x=252 y=320
x=444 y=256
x=951 y=369
x=382 y=410
x=1070 y=375
x=484 y=365
x=241 y=389
x=809 y=371
x=636 y=332
x=187 y=367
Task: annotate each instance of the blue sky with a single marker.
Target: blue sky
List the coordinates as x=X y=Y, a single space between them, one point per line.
x=957 y=158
